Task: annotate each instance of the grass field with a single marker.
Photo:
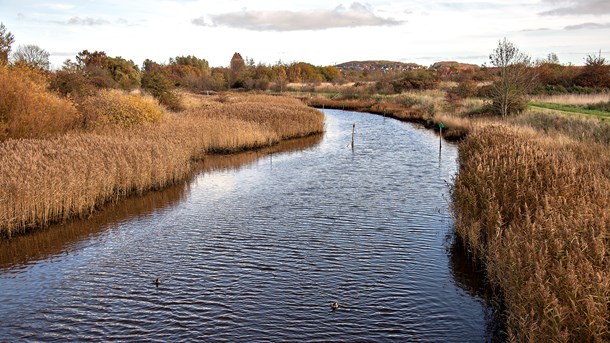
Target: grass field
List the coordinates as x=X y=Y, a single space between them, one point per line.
x=571 y=109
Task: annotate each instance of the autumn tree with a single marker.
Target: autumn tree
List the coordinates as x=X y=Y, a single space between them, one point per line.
x=236 y=67
x=157 y=82
x=104 y=71
x=282 y=77
x=33 y=56
x=198 y=63
x=516 y=79
x=595 y=73
x=6 y=41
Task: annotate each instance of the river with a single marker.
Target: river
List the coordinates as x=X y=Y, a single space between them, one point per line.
x=255 y=247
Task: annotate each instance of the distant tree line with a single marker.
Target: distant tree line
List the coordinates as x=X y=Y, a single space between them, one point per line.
x=511 y=75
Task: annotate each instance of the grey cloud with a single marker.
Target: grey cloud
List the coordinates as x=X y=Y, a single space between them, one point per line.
x=88 y=21
x=573 y=7
x=536 y=30
x=356 y=15
x=588 y=26
x=199 y=22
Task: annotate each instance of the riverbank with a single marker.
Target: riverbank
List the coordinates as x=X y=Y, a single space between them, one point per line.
x=534 y=209
x=50 y=180
x=530 y=203
x=419 y=108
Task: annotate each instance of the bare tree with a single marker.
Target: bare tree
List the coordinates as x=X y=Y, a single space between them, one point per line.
x=517 y=78
x=6 y=40
x=32 y=55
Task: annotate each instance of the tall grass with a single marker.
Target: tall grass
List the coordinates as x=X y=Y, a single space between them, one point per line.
x=579 y=128
x=534 y=209
x=114 y=107
x=573 y=99
x=50 y=180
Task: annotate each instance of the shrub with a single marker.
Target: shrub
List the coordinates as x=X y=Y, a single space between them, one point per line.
x=112 y=107
x=466 y=89
x=416 y=80
x=29 y=110
x=70 y=83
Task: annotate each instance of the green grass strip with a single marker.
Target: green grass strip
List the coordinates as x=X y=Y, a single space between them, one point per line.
x=571 y=109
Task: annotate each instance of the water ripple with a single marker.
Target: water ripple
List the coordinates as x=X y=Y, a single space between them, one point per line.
x=258 y=255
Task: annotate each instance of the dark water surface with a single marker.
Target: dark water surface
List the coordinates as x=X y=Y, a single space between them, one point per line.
x=256 y=247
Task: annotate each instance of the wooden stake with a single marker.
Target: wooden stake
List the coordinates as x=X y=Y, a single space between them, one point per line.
x=440 y=140
x=353 y=132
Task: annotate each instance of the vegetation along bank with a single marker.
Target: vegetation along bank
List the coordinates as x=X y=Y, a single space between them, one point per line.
x=530 y=199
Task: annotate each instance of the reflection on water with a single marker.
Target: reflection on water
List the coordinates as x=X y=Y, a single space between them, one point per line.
x=469 y=275
x=59 y=239
x=256 y=246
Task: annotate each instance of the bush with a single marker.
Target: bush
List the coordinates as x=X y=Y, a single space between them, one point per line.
x=71 y=83
x=112 y=107
x=29 y=110
x=416 y=80
x=466 y=89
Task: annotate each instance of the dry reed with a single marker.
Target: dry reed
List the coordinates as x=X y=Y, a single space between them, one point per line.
x=573 y=99
x=534 y=209
x=45 y=181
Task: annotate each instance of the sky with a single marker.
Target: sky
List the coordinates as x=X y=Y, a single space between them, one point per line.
x=318 y=32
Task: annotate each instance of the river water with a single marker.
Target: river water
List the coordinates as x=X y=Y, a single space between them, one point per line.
x=256 y=246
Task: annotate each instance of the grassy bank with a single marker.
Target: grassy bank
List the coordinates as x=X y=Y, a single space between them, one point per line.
x=531 y=203
x=68 y=175
x=572 y=109
x=534 y=209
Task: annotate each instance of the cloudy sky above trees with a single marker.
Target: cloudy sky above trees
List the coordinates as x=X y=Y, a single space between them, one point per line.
x=319 y=32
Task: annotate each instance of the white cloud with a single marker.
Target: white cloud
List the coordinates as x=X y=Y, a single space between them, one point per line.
x=588 y=26
x=356 y=15
x=87 y=21
x=580 y=7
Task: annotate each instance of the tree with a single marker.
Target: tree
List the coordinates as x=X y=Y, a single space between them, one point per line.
x=516 y=79
x=235 y=70
x=595 y=73
x=198 y=63
x=33 y=56
x=6 y=40
x=282 y=77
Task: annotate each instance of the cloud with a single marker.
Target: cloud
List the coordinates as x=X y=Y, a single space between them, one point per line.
x=356 y=15
x=63 y=54
x=573 y=7
x=588 y=26
x=88 y=21
x=199 y=22
x=540 y=29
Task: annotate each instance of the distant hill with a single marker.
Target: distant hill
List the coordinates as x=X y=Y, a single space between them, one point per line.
x=378 y=65
x=448 y=68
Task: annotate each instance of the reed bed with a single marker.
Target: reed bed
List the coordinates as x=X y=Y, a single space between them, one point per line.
x=573 y=99
x=534 y=209
x=50 y=180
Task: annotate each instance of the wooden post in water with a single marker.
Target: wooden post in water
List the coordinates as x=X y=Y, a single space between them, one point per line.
x=353 y=132
x=440 y=137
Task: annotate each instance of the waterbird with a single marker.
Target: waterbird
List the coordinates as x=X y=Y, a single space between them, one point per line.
x=334 y=305
x=157 y=282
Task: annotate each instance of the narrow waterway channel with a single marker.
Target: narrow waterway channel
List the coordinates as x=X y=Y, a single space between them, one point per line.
x=257 y=251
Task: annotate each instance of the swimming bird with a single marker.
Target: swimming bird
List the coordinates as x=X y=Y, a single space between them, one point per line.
x=157 y=282
x=334 y=305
